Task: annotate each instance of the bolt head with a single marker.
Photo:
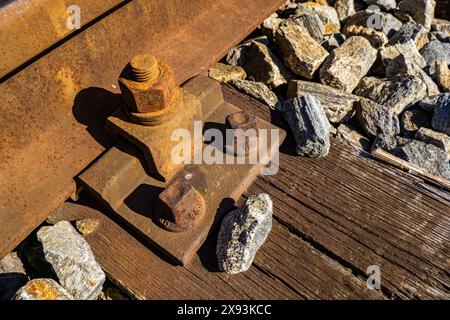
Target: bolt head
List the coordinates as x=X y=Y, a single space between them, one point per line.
x=242 y=120
x=245 y=138
x=181 y=206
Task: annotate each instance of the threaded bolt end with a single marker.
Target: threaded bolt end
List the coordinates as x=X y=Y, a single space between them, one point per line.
x=144 y=68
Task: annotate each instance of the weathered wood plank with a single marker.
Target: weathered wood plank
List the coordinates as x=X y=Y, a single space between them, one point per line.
x=363 y=213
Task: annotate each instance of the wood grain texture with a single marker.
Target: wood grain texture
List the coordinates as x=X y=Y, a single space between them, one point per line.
x=362 y=212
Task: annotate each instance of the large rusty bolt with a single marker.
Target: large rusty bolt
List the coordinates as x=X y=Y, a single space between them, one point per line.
x=181 y=206
x=147 y=85
x=245 y=131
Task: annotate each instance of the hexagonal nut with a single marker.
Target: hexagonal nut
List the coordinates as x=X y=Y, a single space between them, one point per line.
x=144 y=97
x=180 y=206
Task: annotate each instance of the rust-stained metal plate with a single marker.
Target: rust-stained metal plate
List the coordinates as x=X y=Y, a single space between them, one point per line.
x=28 y=27
x=219 y=184
x=52 y=112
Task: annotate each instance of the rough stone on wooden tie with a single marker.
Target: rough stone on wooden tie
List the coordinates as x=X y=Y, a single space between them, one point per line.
x=440 y=140
x=422 y=11
x=344 y=8
x=257 y=90
x=333 y=41
x=412 y=120
x=225 y=73
x=300 y=52
x=12 y=275
x=441 y=117
x=346 y=65
x=42 y=289
x=376 y=119
x=388 y=24
x=309 y=125
x=426 y=156
x=309 y=21
x=87 y=226
x=376 y=38
x=411 y=31
x=338 y=105
x=383 y=4
x=327 y=15
x=262 y=65
x=433 y=51
x=242 y=233
x=72 y=260
x=400 y=67
x=395 y=95
x=237 y=55
x=443 y=75
x=352 y=137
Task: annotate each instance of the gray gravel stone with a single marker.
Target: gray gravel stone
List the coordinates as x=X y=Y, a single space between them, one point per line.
x=441 y=26
x=333 y=41
x=300 y=52
x=311 y=22
x=270 y=25
x=440 y=36
x=309 y=125
x=258 y=91
x=327 y=15
x=72 y=260
x=377 y=38
x=346 y=65
x=426 y=156
x=237 y=55
x=433 y=51
x=383 y=4
x=422 y=11
x=338 y=105
x=428 y=103
x=12 y=275
x=225 y=72
x=380 y=21
x=376 y=119
x=262 y=65
x=440 y=140
x=441 y=117
x=407 y=49
x=242 y=233
x=345 y=8
x=411 y=31
x=352 y=137
x=412 y=120
x=42 y=289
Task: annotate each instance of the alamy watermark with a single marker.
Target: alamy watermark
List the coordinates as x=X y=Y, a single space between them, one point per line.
x=377 y=20
x=234 y=146
x=374 y=279
x=73 y=22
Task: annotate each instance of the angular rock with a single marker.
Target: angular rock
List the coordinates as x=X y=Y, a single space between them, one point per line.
x=376 y=38
x=443 y=75
x=433 y=51
x=441 y=117
x=300 y=52
x=428 y=103
x=438 y=139
x=333 y=41
x=42 y=289
x=412 y=120
x=72 y=260
x=87 y=226
x=225 y=73
x=311 y=22
x=262 y=65
x=426 y=156
x=352 y=137
x=12 y=275
x=376 y=119
x=346 y=65
x=441 y=26
x=258 y=91
x=237 y=55
x=270 y=25
x=395 y=95
x=242 y=233
x=309 y=125
x=384 y=4
x=400 y=67
x=380 y=21
x=411 y=31
x=439 y=36
x=338 y=105
x=408 y=49
x=422 y=11
x=327 y=15
x=345 y=8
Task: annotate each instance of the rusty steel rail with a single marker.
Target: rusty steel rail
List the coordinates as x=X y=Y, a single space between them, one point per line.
x=52 y=112
x=28 y=27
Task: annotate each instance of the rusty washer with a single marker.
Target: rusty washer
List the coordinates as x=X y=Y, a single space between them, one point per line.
x=180 y=206
x=245 y=131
